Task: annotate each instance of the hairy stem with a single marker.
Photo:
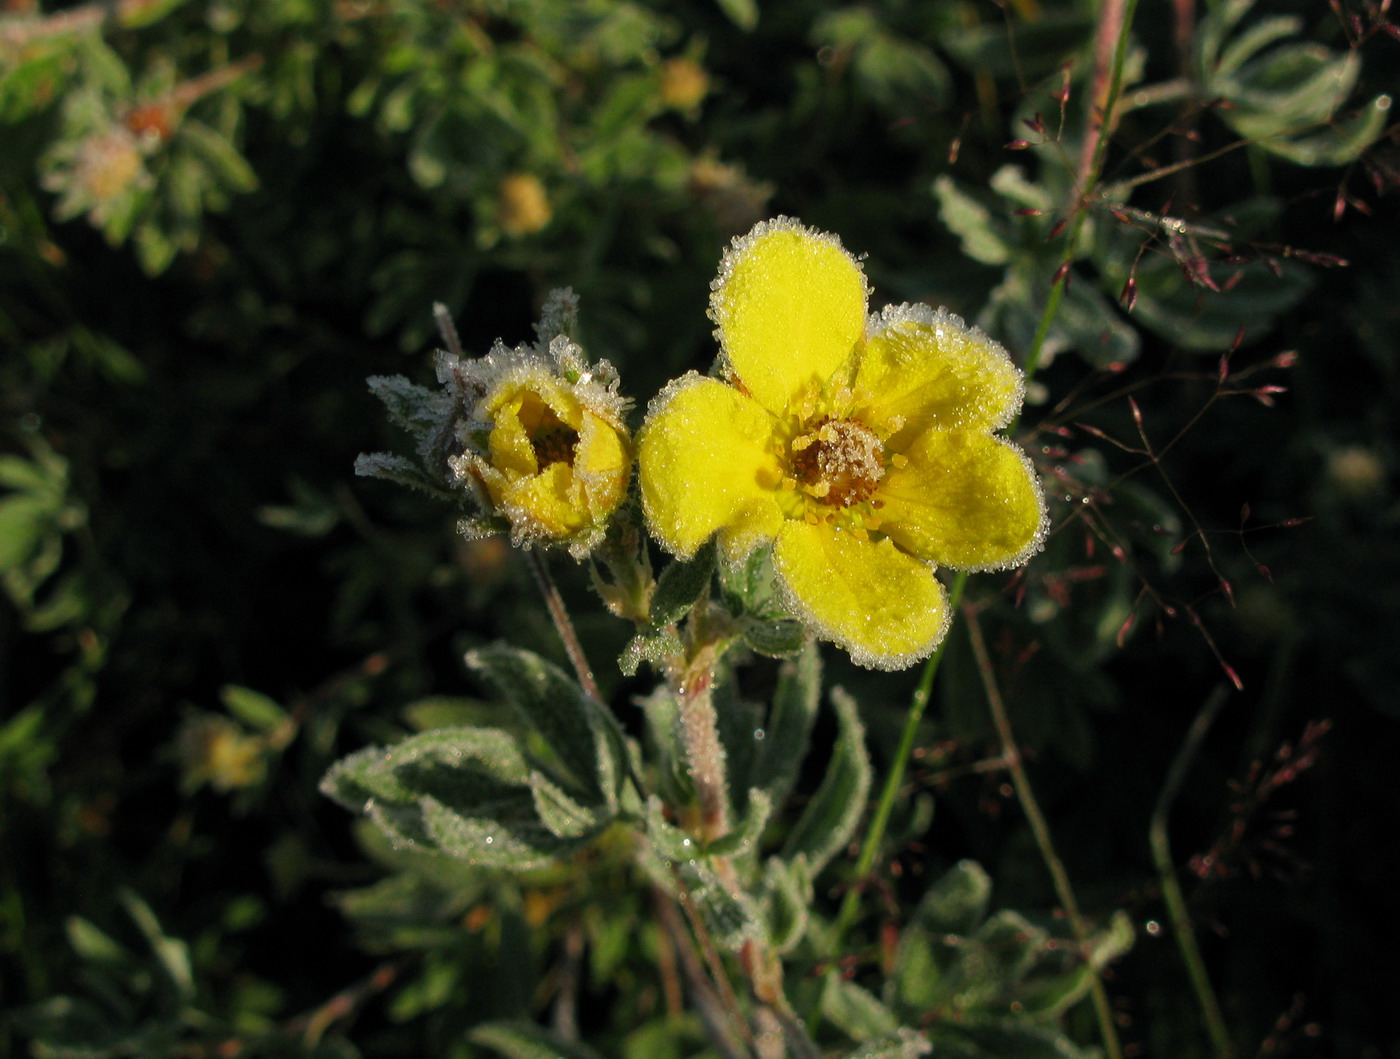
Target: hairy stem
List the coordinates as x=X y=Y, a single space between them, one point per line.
x=1040 y=829
x=700 y=735
x=1171 y=888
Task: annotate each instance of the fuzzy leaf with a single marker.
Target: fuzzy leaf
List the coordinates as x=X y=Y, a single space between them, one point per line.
x=775 y=637
x=856 y=1012
x=789 y=729
x=524 y=1040
x=575 y=728
x=834 y=811
x=680 y=585
x=398 y=469
x=787 y=901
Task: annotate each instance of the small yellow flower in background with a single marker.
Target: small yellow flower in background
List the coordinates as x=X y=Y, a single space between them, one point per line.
x=864 y=449
x=684 y=83
x=522 y=204
x=216 y=751
x=544 y=443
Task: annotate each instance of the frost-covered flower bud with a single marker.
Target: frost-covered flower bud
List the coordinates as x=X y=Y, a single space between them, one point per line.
x=534 y=435
x=545 y=447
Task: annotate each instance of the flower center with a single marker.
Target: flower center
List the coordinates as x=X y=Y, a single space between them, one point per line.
x=554 y=443
x=838 y=461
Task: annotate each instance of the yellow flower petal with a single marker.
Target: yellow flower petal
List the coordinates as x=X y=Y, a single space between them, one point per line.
x=544 y=503
x=706 y=463
x=885 y=607
x=923 y=368
x=601 y=465
x=790 y=305
x=963 y=499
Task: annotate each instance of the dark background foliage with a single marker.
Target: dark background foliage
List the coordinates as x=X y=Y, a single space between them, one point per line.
x=192 y=570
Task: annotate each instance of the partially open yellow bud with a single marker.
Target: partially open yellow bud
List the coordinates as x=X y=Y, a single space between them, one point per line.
x=554 y=466
x=545 y=447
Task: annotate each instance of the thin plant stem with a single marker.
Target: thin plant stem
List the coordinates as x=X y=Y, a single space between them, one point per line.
x=875 y=833
x=1171 y=887
x=724 y=1026
x=565 y=627
x=1117 y=18
x=1040 y=829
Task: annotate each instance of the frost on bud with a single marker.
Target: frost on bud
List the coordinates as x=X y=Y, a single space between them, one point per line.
x=533 y=436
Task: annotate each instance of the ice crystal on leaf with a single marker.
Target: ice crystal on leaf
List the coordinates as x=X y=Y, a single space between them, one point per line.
x=864 y=448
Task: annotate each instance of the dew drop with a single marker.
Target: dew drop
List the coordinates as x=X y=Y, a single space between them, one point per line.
x=759 y=735
x=490 y=839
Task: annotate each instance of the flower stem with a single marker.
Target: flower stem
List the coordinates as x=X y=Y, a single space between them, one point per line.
x=560 y=615
x=1171 y=888
x=875 y=833
x=703 y=750
x=1025 y=795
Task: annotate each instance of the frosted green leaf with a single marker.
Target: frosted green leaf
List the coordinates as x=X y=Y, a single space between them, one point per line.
x=830 y=819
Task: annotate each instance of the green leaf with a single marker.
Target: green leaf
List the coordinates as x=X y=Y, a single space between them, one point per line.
x=398 y=469
x=743 y=13
x=92 y=944
x=219 y=155
x=680 y=585
x=575 y=728
x=524 y=1040
x=830 y=818
x=1019 y=49
x=252 y=707
x=562 y=815
x=971 y=221
x=903 y=1043
x=957 y=902
x=466 y=766
x=512 y=839
x=651 y=648
x=786 y=901
x=743 y=839
x=172 y=953
x=778 y=758
x=854 y=1011
x=25 y=521
x=25 y=476
x=925 y=972
x=775 y=637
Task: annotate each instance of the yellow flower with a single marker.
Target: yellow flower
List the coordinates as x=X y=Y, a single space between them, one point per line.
x=863 y=448
x=523 y=205
x=544 y=446
x=684 y=83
